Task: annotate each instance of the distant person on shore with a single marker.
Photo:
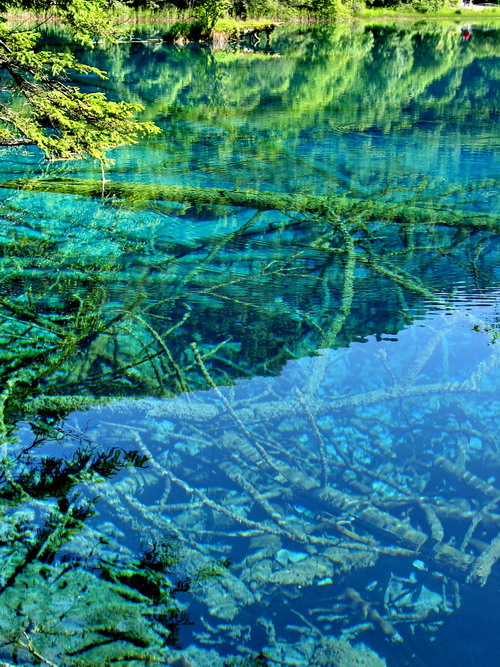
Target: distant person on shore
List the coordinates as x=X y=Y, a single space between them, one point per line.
x=467 y=3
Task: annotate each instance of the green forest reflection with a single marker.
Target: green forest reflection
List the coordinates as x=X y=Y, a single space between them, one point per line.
x=268 y=112
x=312 y=70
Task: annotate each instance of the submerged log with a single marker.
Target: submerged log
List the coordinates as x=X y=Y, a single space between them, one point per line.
x=468 y=478
x=323 y=205
x=485 y=562
x=368 y=611
x=435 y=524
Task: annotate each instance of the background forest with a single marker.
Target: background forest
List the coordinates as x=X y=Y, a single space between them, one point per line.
x=247 y=8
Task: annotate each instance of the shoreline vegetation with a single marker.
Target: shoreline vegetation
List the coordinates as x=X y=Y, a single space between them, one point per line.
x=227 y=21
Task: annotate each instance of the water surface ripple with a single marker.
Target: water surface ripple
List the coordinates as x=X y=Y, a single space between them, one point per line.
x=234 y=436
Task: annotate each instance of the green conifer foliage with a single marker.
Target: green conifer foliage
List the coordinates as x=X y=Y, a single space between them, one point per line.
x=41 y=107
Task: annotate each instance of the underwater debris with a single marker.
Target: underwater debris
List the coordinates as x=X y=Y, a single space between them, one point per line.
x=485 y=562
x=368 y=611
x=294 y=535
x=305 y=483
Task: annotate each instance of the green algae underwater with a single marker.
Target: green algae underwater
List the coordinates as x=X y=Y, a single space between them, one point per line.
x=249 y=398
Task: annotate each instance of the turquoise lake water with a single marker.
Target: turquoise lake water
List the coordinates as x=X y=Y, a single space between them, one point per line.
x=234 y=436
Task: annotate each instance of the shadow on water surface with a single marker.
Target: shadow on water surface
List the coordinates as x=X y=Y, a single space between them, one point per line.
x=283 y=421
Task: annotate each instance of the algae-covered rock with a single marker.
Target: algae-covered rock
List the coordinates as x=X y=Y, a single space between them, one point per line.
x=340 y=652
x=327 y=651
x=347 y=559
x=225 y=598
x=303 y=573
x=285 y=556
x=259 y=573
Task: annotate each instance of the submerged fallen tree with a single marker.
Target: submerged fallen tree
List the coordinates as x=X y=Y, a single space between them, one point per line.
x=328 y=205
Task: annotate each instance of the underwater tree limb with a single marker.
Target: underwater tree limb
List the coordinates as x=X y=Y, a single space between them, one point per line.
x=180 y=377
x=476 y=520
x=468 y=478
x=415 y=368
x=348 y=283
x=260 y=526
x=286 y=408
x=276 y=516
x=435 y=524
x=28 y=646
x=397 y=277
x=317 y=433
x=370 y=517
x=368 y=611
x=205 y=500
x=485 y=562
x=219 y=245
x=229 y=407
x=261 y=201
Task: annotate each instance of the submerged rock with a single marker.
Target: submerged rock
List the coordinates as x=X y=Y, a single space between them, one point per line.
x=327 y=651
x=284 y=556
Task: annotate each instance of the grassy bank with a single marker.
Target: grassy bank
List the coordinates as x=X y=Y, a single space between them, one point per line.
x=487 y=13
x=301 y=16
x=181 y=24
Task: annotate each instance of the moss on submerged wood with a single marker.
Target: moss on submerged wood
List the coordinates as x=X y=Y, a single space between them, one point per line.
x=338 y=205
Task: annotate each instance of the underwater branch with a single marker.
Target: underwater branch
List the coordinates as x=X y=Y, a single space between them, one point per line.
x=338 y=205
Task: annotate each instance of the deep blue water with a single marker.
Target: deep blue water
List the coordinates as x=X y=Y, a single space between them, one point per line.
x=315 y=397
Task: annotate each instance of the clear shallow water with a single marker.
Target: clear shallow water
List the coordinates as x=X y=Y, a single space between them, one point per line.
x=311 y=397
